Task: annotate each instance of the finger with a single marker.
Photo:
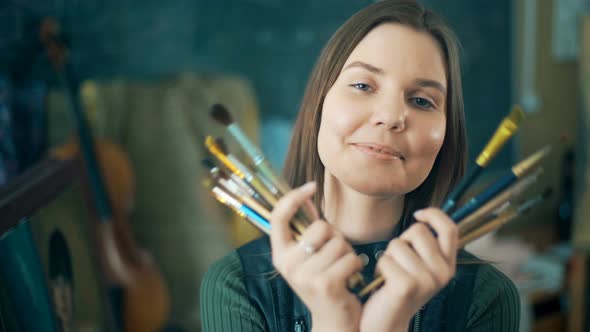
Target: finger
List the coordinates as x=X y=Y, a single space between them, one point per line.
x=406 y=257
x=281 y=235
x=421 y=239
x=290 y=258
x=445 y=228
x=343 y=268
x=315 y=236
x=312 y=209
x=409 y=260
x=333 y=250
x=389 y=269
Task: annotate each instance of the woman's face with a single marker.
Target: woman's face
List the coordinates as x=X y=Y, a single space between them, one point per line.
x=383 y=121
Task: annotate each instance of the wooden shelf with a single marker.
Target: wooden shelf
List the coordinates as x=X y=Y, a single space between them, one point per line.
x=35 y=188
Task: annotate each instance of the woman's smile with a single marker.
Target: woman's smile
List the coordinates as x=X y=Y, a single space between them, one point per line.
x=378 y=151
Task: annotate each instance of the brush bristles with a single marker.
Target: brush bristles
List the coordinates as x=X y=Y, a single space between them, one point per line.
x=529 y=163
x=517 y=114
x=221 y=145
x=221 y=114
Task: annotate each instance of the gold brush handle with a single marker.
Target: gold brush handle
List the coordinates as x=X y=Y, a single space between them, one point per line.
x=488 y=227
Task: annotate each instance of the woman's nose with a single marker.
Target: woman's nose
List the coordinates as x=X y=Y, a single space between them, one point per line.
x=390 y=114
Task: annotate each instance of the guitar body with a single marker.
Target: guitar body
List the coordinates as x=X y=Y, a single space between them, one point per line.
x=141 y=291
x=146 y=300
x=137 y=293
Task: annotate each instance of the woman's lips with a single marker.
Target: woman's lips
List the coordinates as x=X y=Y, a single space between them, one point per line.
x=378 y=151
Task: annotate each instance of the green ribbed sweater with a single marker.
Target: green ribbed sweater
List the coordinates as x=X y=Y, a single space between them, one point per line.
x=225 y=305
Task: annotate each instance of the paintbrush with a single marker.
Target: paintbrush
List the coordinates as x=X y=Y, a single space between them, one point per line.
x=224 y=117
x=300 y=218
x=238 y=195
x=221 y=154
x=238 y=192
x=243 y=185
x=505 y=130
x=221 y=144
x=241 y=209
x=516 y=172
x=479 y=216
x=503 y=218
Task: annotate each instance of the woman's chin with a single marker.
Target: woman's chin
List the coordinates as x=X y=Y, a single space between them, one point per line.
x=378 y=188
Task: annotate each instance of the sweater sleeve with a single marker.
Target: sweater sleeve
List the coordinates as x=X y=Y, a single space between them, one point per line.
x=496 y=303
x=225 y=305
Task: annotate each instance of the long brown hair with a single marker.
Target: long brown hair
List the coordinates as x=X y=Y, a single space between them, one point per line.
x=303 y=162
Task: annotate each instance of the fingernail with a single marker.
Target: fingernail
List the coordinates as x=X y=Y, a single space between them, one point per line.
x=308 y=187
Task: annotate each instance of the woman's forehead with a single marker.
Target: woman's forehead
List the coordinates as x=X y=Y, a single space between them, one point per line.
x=394 y=48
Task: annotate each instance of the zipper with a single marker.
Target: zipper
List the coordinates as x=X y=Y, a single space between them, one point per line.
x=417 y=320
x=299 y=325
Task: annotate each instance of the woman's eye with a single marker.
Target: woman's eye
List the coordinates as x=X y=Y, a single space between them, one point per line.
x=422 y=103
x=361 y=86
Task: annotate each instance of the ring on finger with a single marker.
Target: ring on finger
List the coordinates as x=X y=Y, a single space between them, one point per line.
x=308 y=248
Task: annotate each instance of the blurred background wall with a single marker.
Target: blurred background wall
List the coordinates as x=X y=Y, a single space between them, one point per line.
x=272 y=43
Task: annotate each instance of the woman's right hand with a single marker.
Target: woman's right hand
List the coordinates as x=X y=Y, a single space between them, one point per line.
x=318 y=266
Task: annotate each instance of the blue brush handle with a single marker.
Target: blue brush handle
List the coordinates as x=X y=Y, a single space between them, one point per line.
x=256 y=217
x=483 y=197
x=455 y=195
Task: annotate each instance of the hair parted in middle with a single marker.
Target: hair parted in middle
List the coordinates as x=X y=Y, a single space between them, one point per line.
x=303 y=163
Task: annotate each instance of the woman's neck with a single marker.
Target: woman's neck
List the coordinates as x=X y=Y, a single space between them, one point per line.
x=361 y=218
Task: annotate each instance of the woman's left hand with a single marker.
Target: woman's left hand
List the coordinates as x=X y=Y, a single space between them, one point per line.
x=415 y=267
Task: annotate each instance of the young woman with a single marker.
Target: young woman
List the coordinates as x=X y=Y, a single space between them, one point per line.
x=379 y=142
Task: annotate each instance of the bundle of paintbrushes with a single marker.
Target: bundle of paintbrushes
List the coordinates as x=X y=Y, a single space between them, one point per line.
x=495 y=205
x=253 y=194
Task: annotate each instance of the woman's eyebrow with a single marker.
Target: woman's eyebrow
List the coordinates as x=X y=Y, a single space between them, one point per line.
x=426 y=83
x=422 y=82
x=366 y=66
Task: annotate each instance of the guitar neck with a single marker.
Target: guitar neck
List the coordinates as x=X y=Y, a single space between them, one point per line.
x=103 y=205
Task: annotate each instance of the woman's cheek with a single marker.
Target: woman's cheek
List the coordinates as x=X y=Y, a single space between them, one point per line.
x=340 y=115
x=437 y=134
x=428 y=141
